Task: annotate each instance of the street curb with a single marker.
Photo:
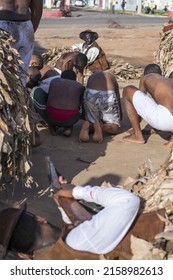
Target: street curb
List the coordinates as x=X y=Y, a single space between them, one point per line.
x=52 y=13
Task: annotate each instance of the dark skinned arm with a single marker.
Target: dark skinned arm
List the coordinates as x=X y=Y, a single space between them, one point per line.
x=36 y=8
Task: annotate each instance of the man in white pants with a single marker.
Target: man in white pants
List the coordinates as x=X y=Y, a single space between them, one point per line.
x=156 y=109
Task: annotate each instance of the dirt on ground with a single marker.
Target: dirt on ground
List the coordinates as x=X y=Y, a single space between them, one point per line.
x=134 y=45
x=89 y=163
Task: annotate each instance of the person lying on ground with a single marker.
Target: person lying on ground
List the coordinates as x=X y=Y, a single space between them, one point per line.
x=59 y=108
x=102 y=106
x=75 y=61
x=156 y=109
x=48 y=73
x=96 y=56
x=32 y=237
x=33 y=77
x=45 y=69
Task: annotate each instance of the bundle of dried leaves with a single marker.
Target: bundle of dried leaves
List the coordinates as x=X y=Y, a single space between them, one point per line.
x=156 y=191
x=155 y=188
x=122 y=71
x=16 y=116
x=164 y=53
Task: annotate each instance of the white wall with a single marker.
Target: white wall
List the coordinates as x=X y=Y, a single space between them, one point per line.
x=130 y=5
x=48 y=3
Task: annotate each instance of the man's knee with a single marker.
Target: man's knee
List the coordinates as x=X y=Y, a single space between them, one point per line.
x=129 y=91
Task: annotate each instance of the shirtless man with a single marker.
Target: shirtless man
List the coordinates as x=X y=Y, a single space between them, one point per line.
x=155 y=110
x=21 y=19
x=73 y=60
x=60 y=107
x=102 y=106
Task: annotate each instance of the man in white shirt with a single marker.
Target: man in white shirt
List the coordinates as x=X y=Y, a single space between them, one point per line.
x=88 y=240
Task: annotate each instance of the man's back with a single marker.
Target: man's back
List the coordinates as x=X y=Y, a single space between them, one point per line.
x=101 y=80
x=160 y=88
x=67 y=60
x=65 y=94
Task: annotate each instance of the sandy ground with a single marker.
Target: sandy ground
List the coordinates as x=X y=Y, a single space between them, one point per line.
x=112 y=161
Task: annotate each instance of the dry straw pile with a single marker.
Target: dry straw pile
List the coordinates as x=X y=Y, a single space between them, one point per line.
x=16 y=116
x=156 y=191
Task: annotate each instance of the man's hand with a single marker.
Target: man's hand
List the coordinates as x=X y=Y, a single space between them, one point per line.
x=66 y=191
x=61 y=180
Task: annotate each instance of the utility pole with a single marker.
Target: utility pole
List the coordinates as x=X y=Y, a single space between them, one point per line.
x=139 y=3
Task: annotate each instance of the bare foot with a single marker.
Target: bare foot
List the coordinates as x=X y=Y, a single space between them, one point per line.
x=133 y=139
x=130 y=131
x=97 y=136
x=145 y=131
x=53 y=129
x=67 y=131
x=84 y=133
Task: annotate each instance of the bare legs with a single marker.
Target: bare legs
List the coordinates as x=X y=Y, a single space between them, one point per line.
x=97 y=136
x=68 y=131
x=136 y=135
x=84 y=133
x=98 y=130
x=54 y=130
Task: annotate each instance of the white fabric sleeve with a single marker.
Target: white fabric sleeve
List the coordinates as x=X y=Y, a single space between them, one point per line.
x=92 y=54
x=108 y=227
x=77 y=47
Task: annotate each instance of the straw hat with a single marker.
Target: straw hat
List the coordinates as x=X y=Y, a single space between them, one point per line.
x=8 y=220
x=82 y=34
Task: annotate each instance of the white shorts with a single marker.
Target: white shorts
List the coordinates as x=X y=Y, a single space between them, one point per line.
x=154 y=114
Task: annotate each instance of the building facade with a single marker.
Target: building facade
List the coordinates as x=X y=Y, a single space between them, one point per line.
x=131 y=5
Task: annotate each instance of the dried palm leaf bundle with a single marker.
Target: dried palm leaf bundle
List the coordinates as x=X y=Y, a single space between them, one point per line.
x=16 y=116
x=52 y=56
x=164 y=54
x=122 y=71
x=125 y=71
x=156 y=191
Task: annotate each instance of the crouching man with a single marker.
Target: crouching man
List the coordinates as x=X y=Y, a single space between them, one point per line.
x=102 y=107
